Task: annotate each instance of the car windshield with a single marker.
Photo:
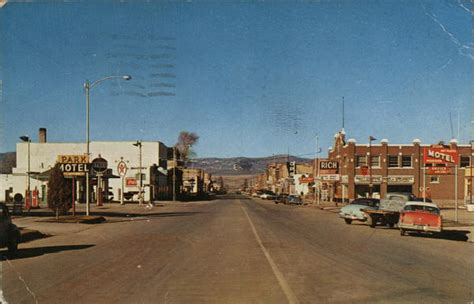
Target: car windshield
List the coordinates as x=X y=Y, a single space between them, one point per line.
x=364 y=202
x=421 y=208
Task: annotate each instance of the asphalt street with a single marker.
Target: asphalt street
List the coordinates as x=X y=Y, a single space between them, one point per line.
x=238 y=250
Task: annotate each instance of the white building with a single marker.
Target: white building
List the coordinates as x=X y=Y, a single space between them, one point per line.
x=43 y=156
x=301 y=184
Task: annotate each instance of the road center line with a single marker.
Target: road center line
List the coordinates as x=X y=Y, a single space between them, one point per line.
x=290 y=296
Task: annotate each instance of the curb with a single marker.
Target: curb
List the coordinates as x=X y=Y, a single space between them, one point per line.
x=28 y=235
x=77 y=220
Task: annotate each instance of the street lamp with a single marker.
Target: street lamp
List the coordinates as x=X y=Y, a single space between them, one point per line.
x=88 y=86
x=140 y=189
x=472 y=166
x=371 y=138
x=27 y=139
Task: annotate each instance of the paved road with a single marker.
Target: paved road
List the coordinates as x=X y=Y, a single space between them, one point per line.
x=239 y=250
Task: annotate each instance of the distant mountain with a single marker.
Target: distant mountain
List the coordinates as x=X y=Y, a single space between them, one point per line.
x=216 y=166
x=241 y=165
x=7 y=162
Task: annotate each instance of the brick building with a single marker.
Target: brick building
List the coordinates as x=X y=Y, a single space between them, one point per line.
x=397 y=168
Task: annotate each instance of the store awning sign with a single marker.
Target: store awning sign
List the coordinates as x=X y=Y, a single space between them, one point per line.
x=440 y=156
x=437 y=170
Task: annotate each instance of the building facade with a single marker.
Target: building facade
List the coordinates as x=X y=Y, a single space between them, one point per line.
x=382 y=167
x=43 y=156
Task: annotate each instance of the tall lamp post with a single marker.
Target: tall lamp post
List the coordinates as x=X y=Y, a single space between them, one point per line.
x=369 y=161
x=140 y=188
x=27 y=139
x=317 y=182
x=471 y=162
x=88 y=86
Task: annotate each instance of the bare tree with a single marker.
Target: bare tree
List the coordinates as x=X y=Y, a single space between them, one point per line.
x=186 y=140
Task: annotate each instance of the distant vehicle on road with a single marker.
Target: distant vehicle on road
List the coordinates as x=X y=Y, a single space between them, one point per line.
x=9 y=233
x=294 y=200
x=354 y=211
x=281 y=199
x=420 y=217
x=268 y=195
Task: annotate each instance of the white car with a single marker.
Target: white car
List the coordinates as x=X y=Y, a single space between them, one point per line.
x=267 y=196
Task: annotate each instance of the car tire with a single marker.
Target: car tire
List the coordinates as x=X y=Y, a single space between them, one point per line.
x=370 y=222
x=391 y=225
x=12 y=244
x=348 y=221
x=402 y=232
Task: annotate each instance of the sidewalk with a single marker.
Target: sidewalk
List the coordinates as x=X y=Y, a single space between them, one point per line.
x=41 y=222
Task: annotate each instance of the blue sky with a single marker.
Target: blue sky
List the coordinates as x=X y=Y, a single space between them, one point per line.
x=251 y=79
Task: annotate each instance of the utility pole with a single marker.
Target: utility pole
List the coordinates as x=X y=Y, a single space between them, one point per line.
x=472 y=165
x=174 y=174
x=140 y=188
x=27 y=139
x=369 y=161
x=318 y=187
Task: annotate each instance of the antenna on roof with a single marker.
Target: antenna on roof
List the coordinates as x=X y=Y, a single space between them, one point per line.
x=451 y=125
x=343 y=112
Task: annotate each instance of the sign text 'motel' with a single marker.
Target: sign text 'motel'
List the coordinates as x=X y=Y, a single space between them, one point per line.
x=440 y=156
x=74 y=169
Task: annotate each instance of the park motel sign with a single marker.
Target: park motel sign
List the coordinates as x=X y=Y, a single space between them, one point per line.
x=73 y=165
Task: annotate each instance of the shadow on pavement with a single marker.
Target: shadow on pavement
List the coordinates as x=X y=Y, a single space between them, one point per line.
x=451 y=235
x=23 y=253
x=232 y=196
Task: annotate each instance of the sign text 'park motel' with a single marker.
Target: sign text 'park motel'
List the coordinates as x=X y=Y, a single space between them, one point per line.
x=73 y=164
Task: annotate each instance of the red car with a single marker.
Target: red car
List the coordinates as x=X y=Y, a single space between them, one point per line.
x=420 y=217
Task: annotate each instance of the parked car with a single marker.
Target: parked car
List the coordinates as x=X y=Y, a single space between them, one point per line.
x=420 y=217
x=268 y=195
x=9 y=233
x=354 y=210
x=294 y=200
x=281 y=199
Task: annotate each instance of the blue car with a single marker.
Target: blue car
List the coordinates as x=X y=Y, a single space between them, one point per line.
x=353 y=211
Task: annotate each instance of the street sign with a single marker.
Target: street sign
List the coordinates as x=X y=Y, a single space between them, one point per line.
x=122 y=168
x=328 y=165
x=330 y=177
x=99 y=165
x=131 y=182
x=306 y=180
x=440 y=156
x=291 y=168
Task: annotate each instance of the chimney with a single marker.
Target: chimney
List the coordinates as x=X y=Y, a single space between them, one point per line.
x=42 y=135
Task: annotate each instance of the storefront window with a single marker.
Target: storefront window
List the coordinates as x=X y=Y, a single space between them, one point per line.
x=464 y=162
x=393 y=161
x=361 y=160
x=406 y=161
x=375 y=161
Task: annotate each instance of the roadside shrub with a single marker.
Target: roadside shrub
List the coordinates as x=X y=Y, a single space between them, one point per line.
x=59 y=192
